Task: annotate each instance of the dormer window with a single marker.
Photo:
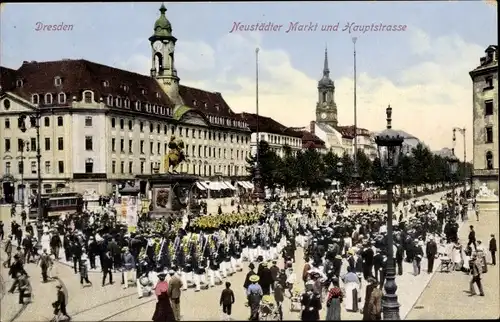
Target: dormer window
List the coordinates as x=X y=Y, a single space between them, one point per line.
x=157 y=95
x=125 y=88
x=138 y=105
x=48 y=98
x=127 y=103
x=88 y=97
x=206 y=104
x=118 y=102
x=105 y=83
x=217 y=107
x=61 y=98
x=143 y=91
x=57 y=81
x=35 y=99
x=19 y=83
x=195 y=103
x=110 y=100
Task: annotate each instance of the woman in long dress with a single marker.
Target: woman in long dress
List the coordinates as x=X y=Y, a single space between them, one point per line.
x=351 y=286
x=163 y=311
x=456 y=256
x=333 y=302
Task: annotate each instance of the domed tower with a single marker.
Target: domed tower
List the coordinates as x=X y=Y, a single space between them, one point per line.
x=326 y=108
x=162 y=57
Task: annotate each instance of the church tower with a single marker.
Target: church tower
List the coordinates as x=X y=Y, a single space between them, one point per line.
x=326 y=109
x=162 y=57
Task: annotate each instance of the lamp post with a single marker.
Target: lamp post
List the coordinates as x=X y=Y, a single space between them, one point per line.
x=389 y=144
x=258 y=192
x=23 y=144
x=462 y=131
x=35 y=122
x=355 y=174
x=453 y=165
x=340 y=169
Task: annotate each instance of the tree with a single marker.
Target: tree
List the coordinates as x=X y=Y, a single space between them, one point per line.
x=269 y=165
x=310 y=170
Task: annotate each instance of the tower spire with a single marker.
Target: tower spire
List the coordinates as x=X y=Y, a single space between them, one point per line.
x=326 y=70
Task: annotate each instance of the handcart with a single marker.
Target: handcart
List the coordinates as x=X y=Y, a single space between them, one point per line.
x=445 y=264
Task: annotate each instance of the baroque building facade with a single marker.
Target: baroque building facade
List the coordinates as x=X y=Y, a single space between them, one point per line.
x=101 y=126
x=485 y=120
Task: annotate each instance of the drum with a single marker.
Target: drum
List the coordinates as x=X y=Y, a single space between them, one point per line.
x=144 y=281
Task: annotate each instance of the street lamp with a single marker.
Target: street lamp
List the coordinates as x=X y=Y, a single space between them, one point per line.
x=340 y=168
x=453 y=166
x=462 y=131
x=24 y=143
x=258 y=191
x=355 y=175
x=389 y=144
x=34 y=119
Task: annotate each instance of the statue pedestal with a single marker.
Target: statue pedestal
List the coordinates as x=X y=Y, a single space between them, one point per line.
x=487 y=204
x=172 y=194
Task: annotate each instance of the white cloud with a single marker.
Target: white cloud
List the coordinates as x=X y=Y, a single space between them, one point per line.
x=428 y=98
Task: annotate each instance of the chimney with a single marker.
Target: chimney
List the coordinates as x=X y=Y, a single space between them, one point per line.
x=312 y=126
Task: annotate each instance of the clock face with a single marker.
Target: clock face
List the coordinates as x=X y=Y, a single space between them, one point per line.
x=323 y=116
x=157 y=45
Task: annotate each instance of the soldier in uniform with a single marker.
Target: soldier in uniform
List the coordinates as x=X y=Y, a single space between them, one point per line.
x=214 y=276
x=143 y=281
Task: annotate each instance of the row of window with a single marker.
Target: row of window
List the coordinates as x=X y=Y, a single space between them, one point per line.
x=182 y=132
x=30 y=145
x=196 y=169
x=192 y=151
x=34 y=167
x=278 y=139
x=46 y=122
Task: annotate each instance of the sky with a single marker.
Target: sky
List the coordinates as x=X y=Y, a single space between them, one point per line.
x=420 y=70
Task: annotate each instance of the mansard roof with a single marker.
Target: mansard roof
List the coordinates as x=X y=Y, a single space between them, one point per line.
x=268 y=125
x=79 y=75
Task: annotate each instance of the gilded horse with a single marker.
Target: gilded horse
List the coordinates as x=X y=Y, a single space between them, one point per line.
x=175 y=154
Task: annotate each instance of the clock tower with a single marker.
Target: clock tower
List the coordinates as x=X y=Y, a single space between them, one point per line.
x=162 y=57
x=326 y=109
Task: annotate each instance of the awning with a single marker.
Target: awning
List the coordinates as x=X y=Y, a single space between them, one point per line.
x=250 y=185
x=213 y=185
x=229 y=185
x=200 y=186
x=244 y=184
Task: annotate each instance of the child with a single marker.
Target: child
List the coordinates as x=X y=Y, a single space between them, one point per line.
x=84 y=271
x=226 y=301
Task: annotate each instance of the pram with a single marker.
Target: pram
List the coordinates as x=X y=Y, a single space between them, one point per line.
x=295 y=305
x=445 y=263
x=268 y=310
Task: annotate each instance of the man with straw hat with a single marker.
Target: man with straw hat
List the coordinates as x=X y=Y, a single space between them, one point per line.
x=254 y=296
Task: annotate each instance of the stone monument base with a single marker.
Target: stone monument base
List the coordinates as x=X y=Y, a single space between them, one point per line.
x=172 y=194
x=486 y=205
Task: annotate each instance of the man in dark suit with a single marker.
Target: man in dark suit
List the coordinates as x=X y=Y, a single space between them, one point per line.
x=107 y=266
x=367 y=255
x=472 y=238
x=400 y=252
x=174 y=292
x=430 y=252
x=377 y=264
x=493 y=249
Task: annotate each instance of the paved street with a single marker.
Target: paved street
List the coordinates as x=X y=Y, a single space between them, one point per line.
x=114 y=303
x=446 y=296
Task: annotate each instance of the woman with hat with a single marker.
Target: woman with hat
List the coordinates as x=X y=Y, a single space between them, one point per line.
x=333 y=302
x=163 y=311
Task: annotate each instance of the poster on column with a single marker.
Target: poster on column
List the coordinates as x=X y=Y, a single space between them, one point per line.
x=132 y=213
x=124 y=206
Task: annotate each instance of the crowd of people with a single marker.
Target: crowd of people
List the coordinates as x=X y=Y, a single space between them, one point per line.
x=169 y=255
